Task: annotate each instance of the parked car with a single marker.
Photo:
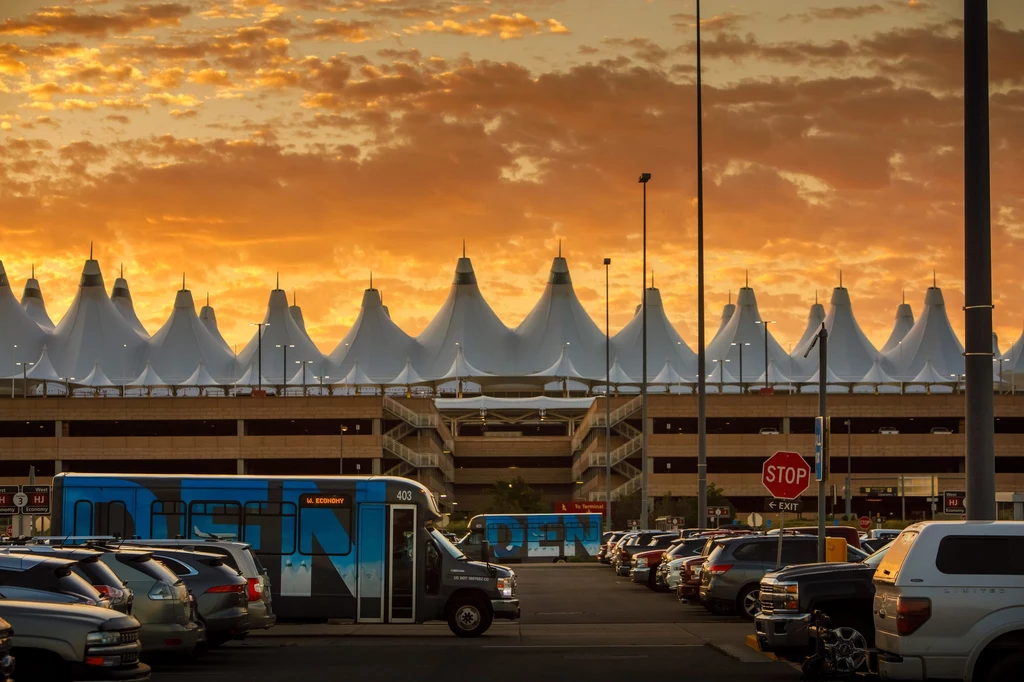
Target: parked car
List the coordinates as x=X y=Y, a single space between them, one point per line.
x=888 y=431
x=949 y=602
x=241 y=557
x=89 y=567
x=162 y=603
x=67 y=643
x=731 y=579
x=608 y=541
x=667 y=574
x=6 y=644
x=219 y=591
x=941 y=430
x=842 y=591
x=33 y=577
x=873 y=546
x=644 y=565
x=769 y=432
x=848 y=533
x=623 y=560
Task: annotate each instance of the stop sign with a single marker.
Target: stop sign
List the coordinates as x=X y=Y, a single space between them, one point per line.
x=786 y=475
x=865 y=522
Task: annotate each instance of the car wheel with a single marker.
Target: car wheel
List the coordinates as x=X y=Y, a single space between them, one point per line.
x=748 y=603
x=560 y=560
x=847 y=648
x=1006 y=668
x=469 y=616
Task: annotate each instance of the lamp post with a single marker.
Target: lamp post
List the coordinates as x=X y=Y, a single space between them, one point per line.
x=702 y=426
x=607 y=399
x=259 y=350
x=284 y=365
x=14 y=360
x=644 y=502
x=765 y=323
x=721 y=373
x=124 y=362
x=849 y=468
x=303 y=363
x=739 y=345
x=24 y=377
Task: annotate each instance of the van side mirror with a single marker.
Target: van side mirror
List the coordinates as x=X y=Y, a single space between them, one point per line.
x=485 y=551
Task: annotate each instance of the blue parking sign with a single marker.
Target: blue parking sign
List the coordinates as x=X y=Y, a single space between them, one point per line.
x=819 y=448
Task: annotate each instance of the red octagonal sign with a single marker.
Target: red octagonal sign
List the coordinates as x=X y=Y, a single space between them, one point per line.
x=786 y=475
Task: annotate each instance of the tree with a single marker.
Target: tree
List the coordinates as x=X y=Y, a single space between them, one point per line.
x=514 y=497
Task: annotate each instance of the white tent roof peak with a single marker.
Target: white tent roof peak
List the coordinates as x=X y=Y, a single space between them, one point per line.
x=121 y=297
x=774 y=376
x=42 y=369
x=249 y=378
x=663 y=341
x=563 y=368
x=616 y=375
x=728 y=310
x=208 y=316
x=184 y=342
x=96 y=378
x=374 y=340
x=33 y=303
x=279 y=328
x=720 y=375
x=408 y=375
x=200 y=377
x=851 y=354
x=356 y=377
x=903 y=323
x=930 y=375
x=296 y=312
x=815 y=316
x=877 y=375
x=830 y=377
x=930 y=340
x=461 y=368
x=995 y=346
x=746 y=326
x=669 y=376
x=17 y=328
x=148 y=379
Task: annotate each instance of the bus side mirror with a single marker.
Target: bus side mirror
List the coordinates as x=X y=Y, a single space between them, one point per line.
x=485 y=551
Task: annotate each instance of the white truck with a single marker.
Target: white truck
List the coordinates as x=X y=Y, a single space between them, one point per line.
x=949 y=603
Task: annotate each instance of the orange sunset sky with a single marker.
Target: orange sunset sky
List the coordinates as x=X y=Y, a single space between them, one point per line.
x=323 y=139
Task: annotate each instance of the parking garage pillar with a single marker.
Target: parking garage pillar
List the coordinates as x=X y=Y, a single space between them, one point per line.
x=377 y=427
x=785 y=425
x=375 y=467
x=58 y=466
x=240 y=466
x=58 y=428
x=241 y=427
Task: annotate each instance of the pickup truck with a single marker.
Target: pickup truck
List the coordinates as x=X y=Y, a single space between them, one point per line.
x=6 y=660
x=842 y=591
x=67 y=643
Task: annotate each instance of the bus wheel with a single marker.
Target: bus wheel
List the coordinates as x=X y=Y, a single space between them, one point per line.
x=469 y=616
x=560 y=560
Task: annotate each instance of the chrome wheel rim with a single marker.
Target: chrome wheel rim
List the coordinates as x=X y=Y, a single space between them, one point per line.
x=848 y=649
x=752 y=603
x=467 y=617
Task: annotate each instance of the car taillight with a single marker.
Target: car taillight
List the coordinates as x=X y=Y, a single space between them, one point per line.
x=255 y=589
x=224 y=589
x=113 y=593
x=912 y=613
x=719 y=569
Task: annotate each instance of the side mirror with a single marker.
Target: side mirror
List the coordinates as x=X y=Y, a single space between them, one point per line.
x=485 y=551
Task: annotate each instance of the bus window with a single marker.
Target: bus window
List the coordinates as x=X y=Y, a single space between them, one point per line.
x=330 y=526
x=270 y=527
x=166 y=518
x=112 y=519
x=82 y=518
x=214 y=517
x=432 y=577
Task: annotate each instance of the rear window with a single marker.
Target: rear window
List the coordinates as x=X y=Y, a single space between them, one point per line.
x=889 y=568
x=97 y=573
x=75 y=584
x=255 y=561
x=146 y=564
x=981 y=555
x=756 y=551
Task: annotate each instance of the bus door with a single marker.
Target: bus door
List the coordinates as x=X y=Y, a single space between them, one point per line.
x=371 y=535
x=402 y=565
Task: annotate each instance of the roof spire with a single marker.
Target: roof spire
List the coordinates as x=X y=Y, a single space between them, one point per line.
x=90 y=250
x=294 y=297
x=463 y=248
x=183 y=281
x=904 y=295
x=33 y=271
x=207 y=299
x=278 y=285
x=559 y=248
x=371 y=279
x=840 y=278
x=730 y=296
x=815 y=297
x=934 y=285
x=746 y=275
x=122 y=271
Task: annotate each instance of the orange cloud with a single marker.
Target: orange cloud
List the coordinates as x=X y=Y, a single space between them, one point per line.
x=506 y=27
x=50 y=20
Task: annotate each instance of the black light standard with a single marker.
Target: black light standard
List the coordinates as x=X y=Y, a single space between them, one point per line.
x=765 y=323
x=14 y=360
x=739 y=345
x=341 y=451
x=303 y=363
x=607 y=398
x=849 y=467
x=702 y=426
x=259 y=349
x=644 y=502
x=284 y=365
x=24 y=378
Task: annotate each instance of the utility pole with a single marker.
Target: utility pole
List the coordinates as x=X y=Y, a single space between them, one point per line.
x=702 y=406
x=822 y=340
x=980 y=422
x=645 y=511
x=607 y=398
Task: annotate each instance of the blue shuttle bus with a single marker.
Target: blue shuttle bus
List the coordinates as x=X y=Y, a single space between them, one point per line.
x=360 y=547
x=534 y=538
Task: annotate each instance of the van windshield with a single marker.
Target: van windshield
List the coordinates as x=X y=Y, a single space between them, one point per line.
x=889 y=568
x=444 y=542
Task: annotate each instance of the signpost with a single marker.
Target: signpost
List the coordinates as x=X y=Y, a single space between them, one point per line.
x=819 y=448
x=32 y=500
x=579 y=507
x=794 y=506
x=7 y=493
x=754 y=520
x=786 y=476
x=953 y=501
x=886 y=491
x=717 y=513
x=864 y=522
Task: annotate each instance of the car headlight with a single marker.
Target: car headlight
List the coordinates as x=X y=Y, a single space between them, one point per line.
x=505 y=587
x=641 y=563
x=103 y=639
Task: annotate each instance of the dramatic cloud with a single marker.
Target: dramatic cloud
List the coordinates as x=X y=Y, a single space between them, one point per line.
x=51 y=20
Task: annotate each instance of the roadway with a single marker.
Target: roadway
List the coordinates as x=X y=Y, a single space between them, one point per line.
x=578 y=621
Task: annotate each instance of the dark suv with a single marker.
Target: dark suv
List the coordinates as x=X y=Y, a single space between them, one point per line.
x=730 y=580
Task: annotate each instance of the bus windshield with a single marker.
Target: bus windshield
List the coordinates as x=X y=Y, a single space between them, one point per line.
x=447 y=545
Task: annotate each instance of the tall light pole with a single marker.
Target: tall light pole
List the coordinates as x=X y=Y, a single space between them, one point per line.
x=980 y=412
x=303 y=363
x=14 y=359
x=341 y=451
x=849 y=468
x=702 y=422
x=765 y=323
x=739 y=345
x=644 y=510
x=24 y=377
x=607 y=397
x=284 y=365
x=259 y=350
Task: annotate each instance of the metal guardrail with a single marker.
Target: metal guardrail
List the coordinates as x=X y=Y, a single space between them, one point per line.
x=597 y=420
x=627 y=488
x=420 y=421
x=400 y=431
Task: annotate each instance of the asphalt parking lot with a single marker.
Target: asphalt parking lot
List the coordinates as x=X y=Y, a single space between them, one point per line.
x=578 y=620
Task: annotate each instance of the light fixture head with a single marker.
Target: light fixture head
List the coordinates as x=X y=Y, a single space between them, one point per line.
x=644 y=177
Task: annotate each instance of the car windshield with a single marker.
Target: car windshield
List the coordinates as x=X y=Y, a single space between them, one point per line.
x=876 y=558
x=444 y=542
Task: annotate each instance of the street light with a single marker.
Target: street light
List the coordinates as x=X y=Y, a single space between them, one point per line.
x=607 y=400
x=259 y=349
x=341 y=451
x=721 y=374
x=124 y=362
x=739 y=345
x=765 y=323
x=303 y=363
x=14 y=359
x=849 y=467
x=644 y=510
x=284 y=365
x=24 y=378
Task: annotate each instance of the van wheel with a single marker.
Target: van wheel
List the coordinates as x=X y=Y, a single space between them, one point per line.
x=560 y=560
x=469 y=616
x=1006 y=668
